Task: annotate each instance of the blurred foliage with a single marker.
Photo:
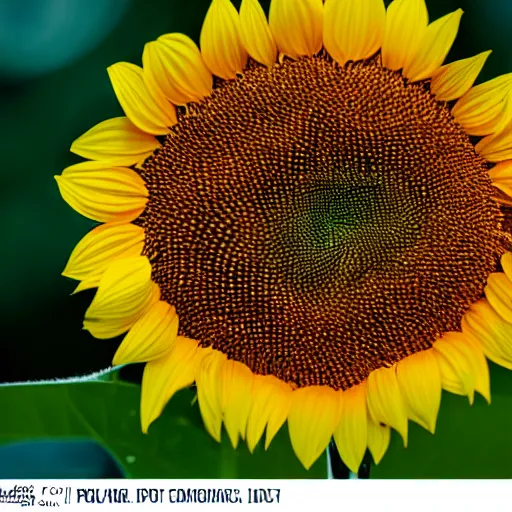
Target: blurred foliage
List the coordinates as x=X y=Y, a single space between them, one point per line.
x=469 y=442
x=38 y=36
x=177 y=445
x=42 y=338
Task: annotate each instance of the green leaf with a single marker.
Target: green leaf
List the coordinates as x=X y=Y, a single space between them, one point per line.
x=470 y=441
x=177 y=445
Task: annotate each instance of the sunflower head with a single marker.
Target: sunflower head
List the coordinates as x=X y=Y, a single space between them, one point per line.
x=309 y=217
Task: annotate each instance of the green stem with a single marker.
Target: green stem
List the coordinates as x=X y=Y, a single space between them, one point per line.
x=109 y=374
x=228 y=461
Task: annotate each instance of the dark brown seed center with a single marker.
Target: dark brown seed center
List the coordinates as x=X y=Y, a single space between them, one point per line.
x=317 y=222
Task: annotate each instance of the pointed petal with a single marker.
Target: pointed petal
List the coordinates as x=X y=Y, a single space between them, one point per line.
x=499 y=294
x=480 y=366
x=209 y=392
x=125 y=292
x=271 y=400
x=104 y=244
x=419 y=378
x=480 y=111
x=351 y=433
x=378 y=439
x=451 y=381
x=164 y=376
x=86 y=285
x=237 y=382
x=282 y=401
x=149 y=112
x=173 y=64
x=255 y=33
x=353 y=29
x=313 y=416
x=458 y=374
x=456 y=79
x=434 y=47
x=103 y=193
x=506 y=258
x=117 y=141
x=221 y=46
x=474 y=353
x=498 y=146
x=501 y=176
x=406 y=22
x=297 y=26
x=385 y=401
x=493 y=333
x=150 y=337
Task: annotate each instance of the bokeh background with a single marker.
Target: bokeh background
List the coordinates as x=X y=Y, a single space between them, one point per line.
x=53 y=87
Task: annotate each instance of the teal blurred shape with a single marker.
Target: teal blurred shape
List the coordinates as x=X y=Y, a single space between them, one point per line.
x=39 y=36
x=57 y=459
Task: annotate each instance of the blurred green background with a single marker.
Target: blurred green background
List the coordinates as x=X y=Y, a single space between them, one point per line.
x=53 y=87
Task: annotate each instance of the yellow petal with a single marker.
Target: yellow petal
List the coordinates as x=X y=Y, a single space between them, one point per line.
x=493 y=333
x=385 y=401
x=406 y=22
x=506 y=258
x=103 y=193
x=458 y=374
x=499 y=294
x=474 y=353
x=419 y=378
x=297 y=26
x=149 y=111
x=353 y=29
x=104 y=244
x=221 y=46
x=313 y=416
x=209 y=392
x=174 y=64
x=351 y=433
x=456 y=79
x=283 y=398
x=237 y=382
x=125 y=292
x=497 y=147
x=450 y=378
x=271 y=401
x=433 y=47
x=86 y=285
x=480 y=366
x=117 y=141
x=501 y=176
x=480 y=111
x=150 y=337
x=164 y=376
x=255 y=33
x=378 y=439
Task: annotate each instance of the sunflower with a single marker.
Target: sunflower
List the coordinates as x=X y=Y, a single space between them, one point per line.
x=323 y=205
